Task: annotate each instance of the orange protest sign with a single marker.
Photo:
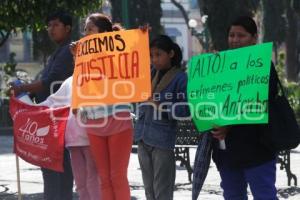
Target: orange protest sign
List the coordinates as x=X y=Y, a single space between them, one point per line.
x=112 y=68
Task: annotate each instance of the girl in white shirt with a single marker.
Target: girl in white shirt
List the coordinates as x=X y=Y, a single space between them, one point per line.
x=76 y=140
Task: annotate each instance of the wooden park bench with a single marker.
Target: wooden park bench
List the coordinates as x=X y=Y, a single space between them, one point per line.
x=188 y=137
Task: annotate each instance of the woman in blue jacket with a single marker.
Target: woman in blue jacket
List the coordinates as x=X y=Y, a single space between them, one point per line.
x=155 y=129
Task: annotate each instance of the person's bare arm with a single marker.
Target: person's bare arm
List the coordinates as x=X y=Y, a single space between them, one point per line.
x=30 y=87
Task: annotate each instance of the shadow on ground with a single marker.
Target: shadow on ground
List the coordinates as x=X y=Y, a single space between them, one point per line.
x=289 y=192
x=38 y=196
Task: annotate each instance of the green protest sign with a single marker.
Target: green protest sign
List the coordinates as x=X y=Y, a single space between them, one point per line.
x=230 y=87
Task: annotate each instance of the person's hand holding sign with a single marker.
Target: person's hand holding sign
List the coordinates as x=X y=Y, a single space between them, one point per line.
x=220 y=132
x=73 y=47
x=144 y=28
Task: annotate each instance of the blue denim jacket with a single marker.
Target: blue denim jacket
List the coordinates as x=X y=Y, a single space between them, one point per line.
x=158 y=128
x=59 y=67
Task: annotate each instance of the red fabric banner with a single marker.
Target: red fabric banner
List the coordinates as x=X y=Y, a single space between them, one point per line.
x=39 y=133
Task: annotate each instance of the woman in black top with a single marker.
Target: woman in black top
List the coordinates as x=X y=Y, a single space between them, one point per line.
x=245 y=161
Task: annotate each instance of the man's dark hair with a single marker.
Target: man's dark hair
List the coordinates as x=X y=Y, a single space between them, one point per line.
x=62 y=16
x=247 y=23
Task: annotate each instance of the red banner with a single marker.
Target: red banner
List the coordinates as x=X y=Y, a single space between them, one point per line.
x=39 y=134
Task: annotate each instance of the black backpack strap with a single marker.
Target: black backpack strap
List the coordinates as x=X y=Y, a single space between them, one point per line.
x=278 y=81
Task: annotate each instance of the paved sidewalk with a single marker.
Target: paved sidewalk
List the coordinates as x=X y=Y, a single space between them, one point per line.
x=32 y=185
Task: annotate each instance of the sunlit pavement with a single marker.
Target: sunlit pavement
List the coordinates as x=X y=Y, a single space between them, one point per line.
x=32 y=185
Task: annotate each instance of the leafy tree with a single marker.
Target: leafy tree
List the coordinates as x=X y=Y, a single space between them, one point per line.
x=281 y=26
x=31 y=14
x=10 y=65
x=221 y=13
x=273 y=21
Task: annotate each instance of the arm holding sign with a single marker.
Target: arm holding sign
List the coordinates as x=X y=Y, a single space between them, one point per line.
x=108 y=125
x=181 y=109
x=73 y=48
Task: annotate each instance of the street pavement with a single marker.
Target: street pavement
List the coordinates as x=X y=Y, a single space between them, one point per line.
x=32 y=184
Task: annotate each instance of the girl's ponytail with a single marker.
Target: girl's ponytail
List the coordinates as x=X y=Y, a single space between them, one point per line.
x=176 y=61
x=165 y=43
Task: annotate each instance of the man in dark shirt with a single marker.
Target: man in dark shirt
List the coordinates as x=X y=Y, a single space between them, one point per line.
x=57 y=186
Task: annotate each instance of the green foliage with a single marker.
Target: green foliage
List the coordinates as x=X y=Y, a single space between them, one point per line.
x=31 y=14
x=10 y=67
x=280 y=66
x=280 y=24
x=9 y=73
x=220 y=15
x=292 y=89
x=7 y=70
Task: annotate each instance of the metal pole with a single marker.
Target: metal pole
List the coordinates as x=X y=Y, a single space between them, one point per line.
x=18 y=178
x=206 y=37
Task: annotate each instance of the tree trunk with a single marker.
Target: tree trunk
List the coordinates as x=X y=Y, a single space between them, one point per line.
x=186 y=19
x=292 y=63
x=220 y=15
x=4 y=37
